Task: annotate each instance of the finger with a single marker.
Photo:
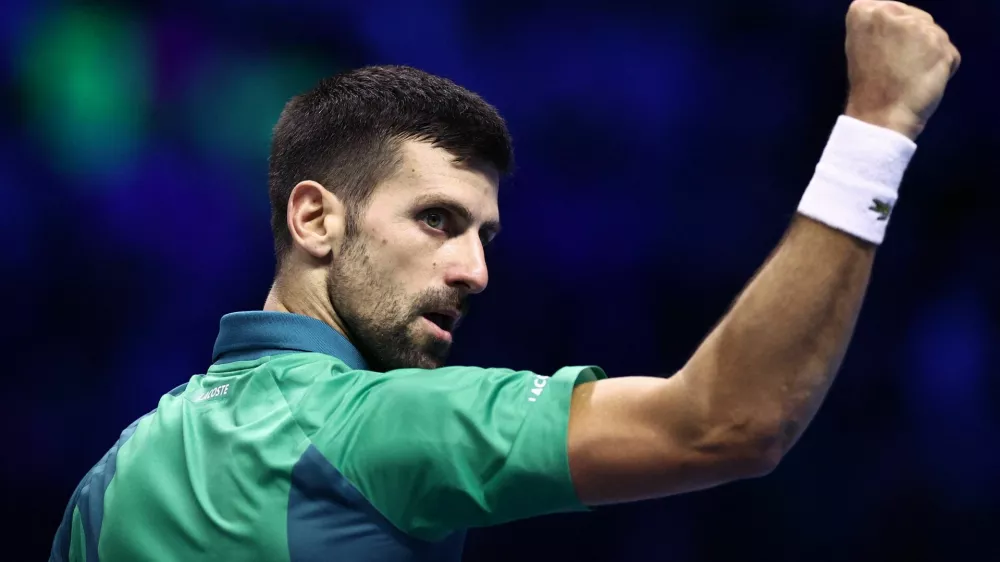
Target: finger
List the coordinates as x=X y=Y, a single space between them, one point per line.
x=919 y=14
x=894 y=8
x=901 y=9
x=956 y=61
x=862 y=7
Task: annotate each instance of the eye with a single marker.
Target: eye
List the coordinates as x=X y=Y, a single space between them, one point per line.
x=435 y=219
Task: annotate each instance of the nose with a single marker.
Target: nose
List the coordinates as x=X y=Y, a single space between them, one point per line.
x=468 y=270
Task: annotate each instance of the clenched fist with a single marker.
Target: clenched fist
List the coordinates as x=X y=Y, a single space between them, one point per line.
x=898 y=63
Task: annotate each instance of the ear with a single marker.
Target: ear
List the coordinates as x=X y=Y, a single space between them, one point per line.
x=316 y=219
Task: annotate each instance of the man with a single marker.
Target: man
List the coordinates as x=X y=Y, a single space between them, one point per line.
x=327 y=427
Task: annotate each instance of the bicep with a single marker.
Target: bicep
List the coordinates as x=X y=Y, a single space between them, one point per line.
x=635 y=438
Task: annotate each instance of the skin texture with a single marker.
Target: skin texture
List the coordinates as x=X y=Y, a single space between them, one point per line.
x=420 y=249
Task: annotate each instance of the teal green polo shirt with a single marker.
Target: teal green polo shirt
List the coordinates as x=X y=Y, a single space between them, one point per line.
x=289 y=448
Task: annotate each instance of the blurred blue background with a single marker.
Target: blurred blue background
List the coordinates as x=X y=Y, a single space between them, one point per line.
x=662 y=150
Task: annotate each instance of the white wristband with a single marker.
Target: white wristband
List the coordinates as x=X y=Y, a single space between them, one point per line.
x=856 y=183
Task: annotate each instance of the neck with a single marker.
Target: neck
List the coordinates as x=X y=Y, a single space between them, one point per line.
x=283 y=297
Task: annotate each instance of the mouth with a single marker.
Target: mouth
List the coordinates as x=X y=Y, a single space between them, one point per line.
x=444 y=322
x=445 y=319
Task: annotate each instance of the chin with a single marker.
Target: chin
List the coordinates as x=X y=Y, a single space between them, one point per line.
x=429 y=360
x=428 y=352
x=421 y=356
x=430 y=363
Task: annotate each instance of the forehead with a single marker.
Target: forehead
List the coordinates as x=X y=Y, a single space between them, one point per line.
x=425 y=172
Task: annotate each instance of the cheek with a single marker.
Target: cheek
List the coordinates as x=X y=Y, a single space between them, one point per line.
x=407 y=258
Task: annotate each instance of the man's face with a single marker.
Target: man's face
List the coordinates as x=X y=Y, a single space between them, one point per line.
x=400 y=285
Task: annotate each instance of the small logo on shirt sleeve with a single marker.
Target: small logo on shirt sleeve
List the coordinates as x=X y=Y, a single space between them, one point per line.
x=213 y=393
x=539 y=386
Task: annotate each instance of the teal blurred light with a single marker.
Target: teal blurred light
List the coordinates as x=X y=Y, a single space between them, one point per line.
x=85 y=77
x=231 y=104
x=235 y=99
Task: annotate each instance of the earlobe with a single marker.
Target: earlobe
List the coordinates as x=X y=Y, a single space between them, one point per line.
x=316 y=219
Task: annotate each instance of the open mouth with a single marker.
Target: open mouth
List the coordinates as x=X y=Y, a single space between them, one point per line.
x=442 y=320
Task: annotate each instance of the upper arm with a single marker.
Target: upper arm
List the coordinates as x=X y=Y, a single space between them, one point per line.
x=635 y=438
x=439 y=450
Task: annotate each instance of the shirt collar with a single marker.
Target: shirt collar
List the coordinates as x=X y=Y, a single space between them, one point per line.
x=251 y=335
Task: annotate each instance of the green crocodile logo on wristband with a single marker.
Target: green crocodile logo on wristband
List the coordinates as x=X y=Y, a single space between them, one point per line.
x=883 y=208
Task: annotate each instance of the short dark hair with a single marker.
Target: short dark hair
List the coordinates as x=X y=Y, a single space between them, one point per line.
x=345 y=133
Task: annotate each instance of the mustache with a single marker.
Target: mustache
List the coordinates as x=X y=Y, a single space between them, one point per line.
x=440 y=299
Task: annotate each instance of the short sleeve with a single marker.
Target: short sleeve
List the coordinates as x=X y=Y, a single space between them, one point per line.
x=439 y=450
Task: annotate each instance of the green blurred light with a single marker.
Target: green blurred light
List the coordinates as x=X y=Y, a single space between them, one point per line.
x=237 y=99
x=86 y=84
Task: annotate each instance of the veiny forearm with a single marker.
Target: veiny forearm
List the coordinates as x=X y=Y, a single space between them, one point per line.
x=762 y=373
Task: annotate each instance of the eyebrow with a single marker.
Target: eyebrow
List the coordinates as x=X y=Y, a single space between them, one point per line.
x=435 y=200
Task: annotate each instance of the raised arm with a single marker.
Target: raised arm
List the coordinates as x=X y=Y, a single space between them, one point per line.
x=757 y=380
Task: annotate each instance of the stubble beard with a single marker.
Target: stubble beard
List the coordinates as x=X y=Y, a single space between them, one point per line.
x=381 y=322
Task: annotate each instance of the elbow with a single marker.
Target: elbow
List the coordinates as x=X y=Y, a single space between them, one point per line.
x=749 y=450
x=763 y=461
x=743 y=439
x=764 y=448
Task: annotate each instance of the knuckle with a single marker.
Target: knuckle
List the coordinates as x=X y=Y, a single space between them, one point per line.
x=862 y=9
x=877 y=11
x=928 y=32
x=941 y=37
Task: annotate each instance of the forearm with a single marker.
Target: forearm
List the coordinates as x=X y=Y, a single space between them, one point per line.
x=758 y=379
x=762 y=373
